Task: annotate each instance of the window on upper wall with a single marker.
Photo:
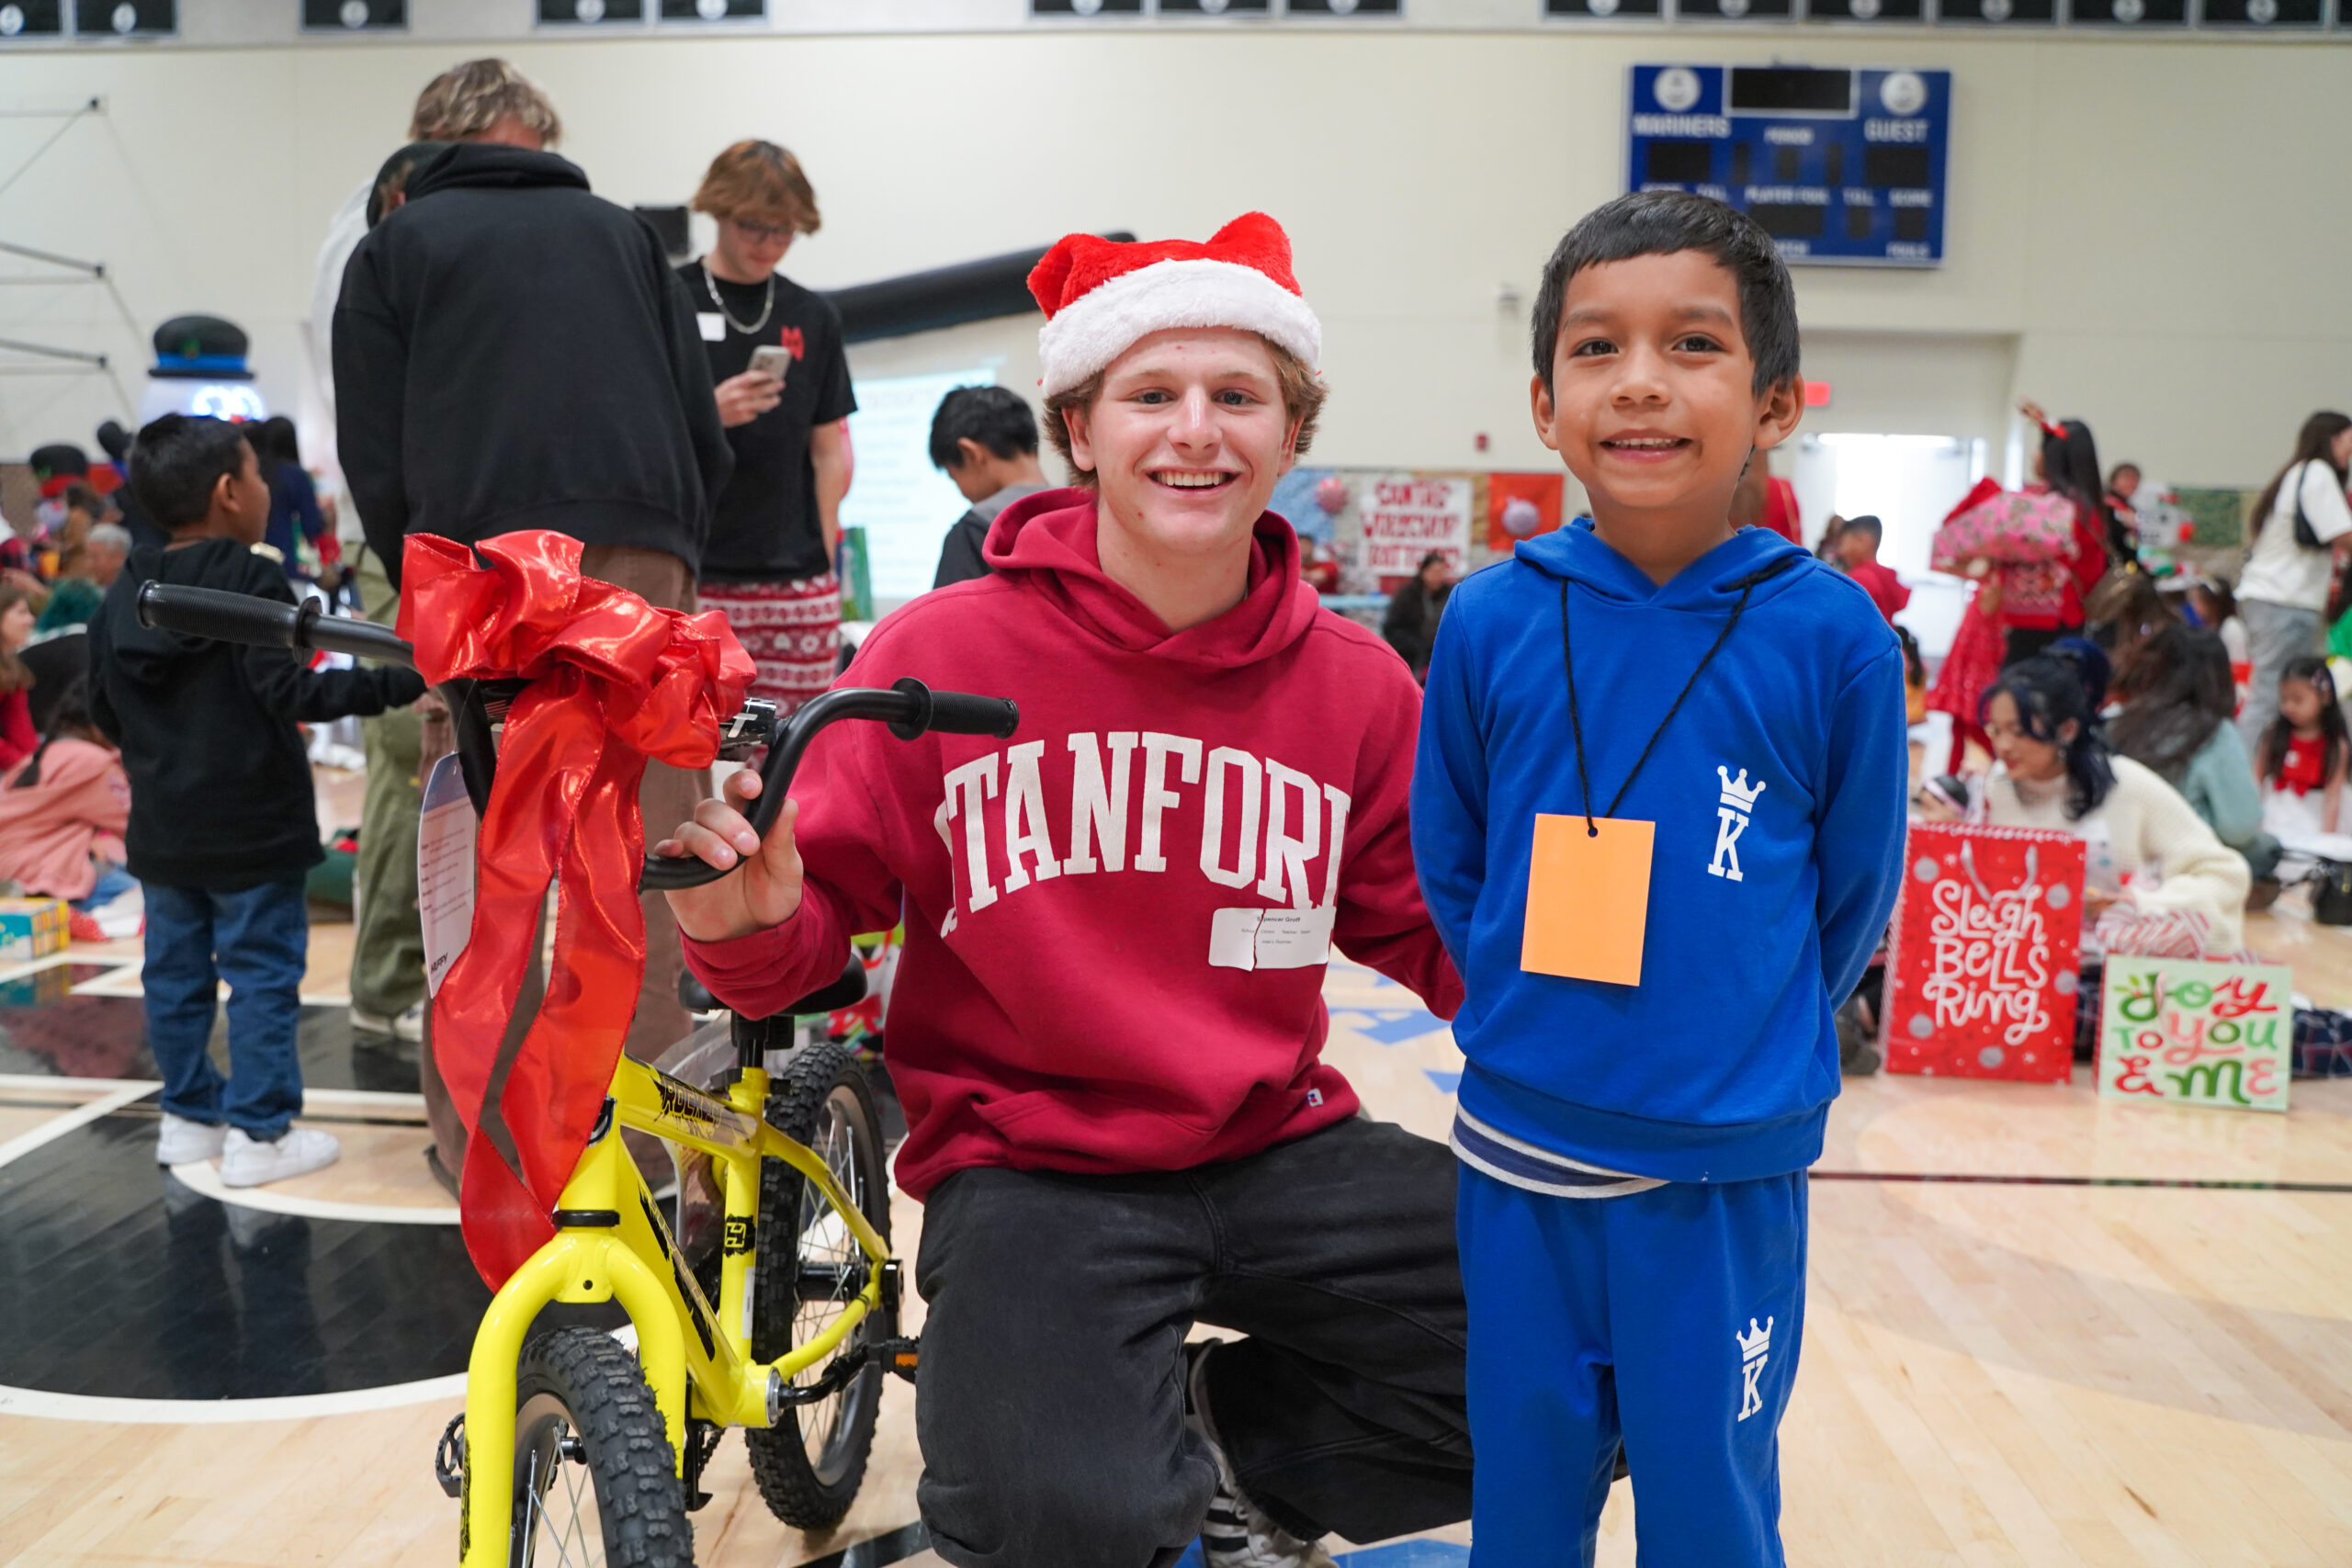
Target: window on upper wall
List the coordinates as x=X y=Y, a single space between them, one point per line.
x=126 y=19
x=354 y=15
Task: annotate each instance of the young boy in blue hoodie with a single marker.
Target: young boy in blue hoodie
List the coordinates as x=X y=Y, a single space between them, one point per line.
x=1658 y=817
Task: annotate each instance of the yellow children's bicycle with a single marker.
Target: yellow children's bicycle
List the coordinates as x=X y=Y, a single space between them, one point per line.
x=571 y=1450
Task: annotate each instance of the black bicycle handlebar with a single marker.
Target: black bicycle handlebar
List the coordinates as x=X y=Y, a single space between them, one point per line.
x=909 y=707
x=241 y=618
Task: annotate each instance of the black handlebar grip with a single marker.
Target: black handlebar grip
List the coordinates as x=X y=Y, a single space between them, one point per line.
x=266 y=623
x=226 y=617
x=961 y=713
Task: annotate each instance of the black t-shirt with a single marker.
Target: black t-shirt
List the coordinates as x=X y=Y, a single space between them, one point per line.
x=764 y=528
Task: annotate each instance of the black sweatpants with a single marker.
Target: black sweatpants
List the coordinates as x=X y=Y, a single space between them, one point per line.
x=1051 y=1408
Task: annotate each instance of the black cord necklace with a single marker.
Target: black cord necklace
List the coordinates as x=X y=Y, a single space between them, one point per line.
x=1746 y=586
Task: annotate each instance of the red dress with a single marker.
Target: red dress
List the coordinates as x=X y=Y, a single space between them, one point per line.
x=1969 y=670
x=2305 y=766
x=18 y=737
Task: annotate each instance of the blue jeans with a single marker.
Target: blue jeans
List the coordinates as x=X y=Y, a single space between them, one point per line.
x=112 y=883
x=258 y=939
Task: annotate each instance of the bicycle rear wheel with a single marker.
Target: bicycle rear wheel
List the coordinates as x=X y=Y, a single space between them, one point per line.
x=808 y=1270
x=594 y=1481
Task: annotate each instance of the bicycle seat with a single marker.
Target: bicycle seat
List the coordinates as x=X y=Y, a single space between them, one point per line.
x=847 y=991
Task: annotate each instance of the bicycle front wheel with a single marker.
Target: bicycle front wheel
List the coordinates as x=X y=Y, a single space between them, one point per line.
x=595 y=1479
x=809 y=1268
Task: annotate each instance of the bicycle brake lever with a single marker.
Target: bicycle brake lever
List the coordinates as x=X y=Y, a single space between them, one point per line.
x=748 y=730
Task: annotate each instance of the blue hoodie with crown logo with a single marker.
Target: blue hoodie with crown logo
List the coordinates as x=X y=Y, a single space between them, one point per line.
x=1776 y=793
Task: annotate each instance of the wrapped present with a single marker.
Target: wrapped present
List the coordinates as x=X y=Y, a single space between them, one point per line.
x=2005 y=527
x=1981 y=970
x=2181 y=1032
x=31 y=927
x=2156 y=934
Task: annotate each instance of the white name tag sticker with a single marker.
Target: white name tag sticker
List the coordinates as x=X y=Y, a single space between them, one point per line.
x=445 y=870
x=1270 y=938
x=713 y=325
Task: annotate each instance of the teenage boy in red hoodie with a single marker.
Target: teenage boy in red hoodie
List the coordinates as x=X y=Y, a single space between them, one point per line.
x=1108 y=1025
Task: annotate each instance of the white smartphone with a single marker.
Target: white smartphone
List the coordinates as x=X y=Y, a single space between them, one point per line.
x=772 y=359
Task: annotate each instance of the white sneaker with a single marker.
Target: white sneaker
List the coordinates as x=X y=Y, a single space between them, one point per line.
x=409 y=1026
x=1235 y=1534
x=249 y=1162
x=183 y=1141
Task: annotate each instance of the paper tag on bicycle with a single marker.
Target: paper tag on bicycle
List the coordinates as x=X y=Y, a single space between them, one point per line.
x=1270 y=938
x=1588 y=899
x=445 y=870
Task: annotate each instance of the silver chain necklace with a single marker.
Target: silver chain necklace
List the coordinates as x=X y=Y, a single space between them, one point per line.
x=711 y=283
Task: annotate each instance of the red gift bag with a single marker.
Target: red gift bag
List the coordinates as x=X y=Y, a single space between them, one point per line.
x=1982 y=966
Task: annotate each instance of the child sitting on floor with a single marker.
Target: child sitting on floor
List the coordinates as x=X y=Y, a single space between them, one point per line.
x=62 y=813
x=2304 y=756
x=2146 y=850
x=2177 y=703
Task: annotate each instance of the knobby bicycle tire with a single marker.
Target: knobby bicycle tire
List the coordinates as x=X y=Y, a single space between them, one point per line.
x=822 y=1085
x=581 y=1401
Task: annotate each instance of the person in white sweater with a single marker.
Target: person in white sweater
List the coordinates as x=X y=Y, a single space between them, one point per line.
x=2146 y=845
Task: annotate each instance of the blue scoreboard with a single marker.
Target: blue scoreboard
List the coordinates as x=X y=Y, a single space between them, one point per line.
x=1840 y=166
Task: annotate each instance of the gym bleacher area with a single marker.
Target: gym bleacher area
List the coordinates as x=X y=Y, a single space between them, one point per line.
x=2041 y=1328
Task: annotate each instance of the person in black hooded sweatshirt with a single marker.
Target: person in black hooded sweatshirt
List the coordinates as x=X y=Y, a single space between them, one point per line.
x=223 y=827
x=513 y=352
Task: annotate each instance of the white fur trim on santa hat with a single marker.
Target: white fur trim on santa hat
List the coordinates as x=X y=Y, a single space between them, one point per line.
x=1087 y=333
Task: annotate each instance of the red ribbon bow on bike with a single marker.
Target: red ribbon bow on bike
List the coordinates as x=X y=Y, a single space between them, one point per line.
x=614 y=683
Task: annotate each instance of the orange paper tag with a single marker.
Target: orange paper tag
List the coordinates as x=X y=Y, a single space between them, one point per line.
x=1588 y=899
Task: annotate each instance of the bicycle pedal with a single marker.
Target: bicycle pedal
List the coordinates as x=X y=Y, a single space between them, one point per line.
x=903 y=1357
x=449 y=1457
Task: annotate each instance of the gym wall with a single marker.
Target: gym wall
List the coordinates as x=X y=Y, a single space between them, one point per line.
x=2148 y=234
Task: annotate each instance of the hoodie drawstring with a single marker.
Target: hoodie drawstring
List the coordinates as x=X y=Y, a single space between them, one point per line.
x=1746 y=586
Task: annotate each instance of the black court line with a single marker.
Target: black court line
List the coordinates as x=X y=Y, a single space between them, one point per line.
x=2190 y=1183
x=896 y=1547
x=148 y=1110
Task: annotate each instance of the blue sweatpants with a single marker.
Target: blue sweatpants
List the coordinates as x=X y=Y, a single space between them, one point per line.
x=1669 y=1320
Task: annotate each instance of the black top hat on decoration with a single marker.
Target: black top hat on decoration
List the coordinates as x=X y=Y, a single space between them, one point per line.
x=204 y=348
x=60 y=461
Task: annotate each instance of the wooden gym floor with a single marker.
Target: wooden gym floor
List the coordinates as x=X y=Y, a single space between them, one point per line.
x=2041 y=1330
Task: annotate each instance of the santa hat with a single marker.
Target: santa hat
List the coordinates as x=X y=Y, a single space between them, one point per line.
x=1101 y=296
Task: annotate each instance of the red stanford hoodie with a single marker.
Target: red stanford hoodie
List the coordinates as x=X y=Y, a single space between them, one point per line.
x=1117 y=921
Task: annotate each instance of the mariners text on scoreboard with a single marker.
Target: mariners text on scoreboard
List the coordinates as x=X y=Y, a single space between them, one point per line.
x=1841 y=166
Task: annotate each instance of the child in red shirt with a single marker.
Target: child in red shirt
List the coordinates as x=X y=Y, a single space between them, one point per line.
x=1857 y=544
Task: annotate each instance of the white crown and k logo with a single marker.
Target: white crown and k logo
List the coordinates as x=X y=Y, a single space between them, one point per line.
x=1738 y=800
x=1755 y=1353
x=1739 y=793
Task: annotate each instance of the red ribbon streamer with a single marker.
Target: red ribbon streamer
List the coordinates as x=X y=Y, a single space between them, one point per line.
x=614 y=683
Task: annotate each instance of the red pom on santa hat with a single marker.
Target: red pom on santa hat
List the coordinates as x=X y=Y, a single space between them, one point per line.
x=1102 y=296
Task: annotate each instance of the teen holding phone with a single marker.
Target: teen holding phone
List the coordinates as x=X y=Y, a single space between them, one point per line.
x=784 y=395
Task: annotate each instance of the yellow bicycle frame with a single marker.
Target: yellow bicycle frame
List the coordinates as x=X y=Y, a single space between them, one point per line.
x=611 y=1242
